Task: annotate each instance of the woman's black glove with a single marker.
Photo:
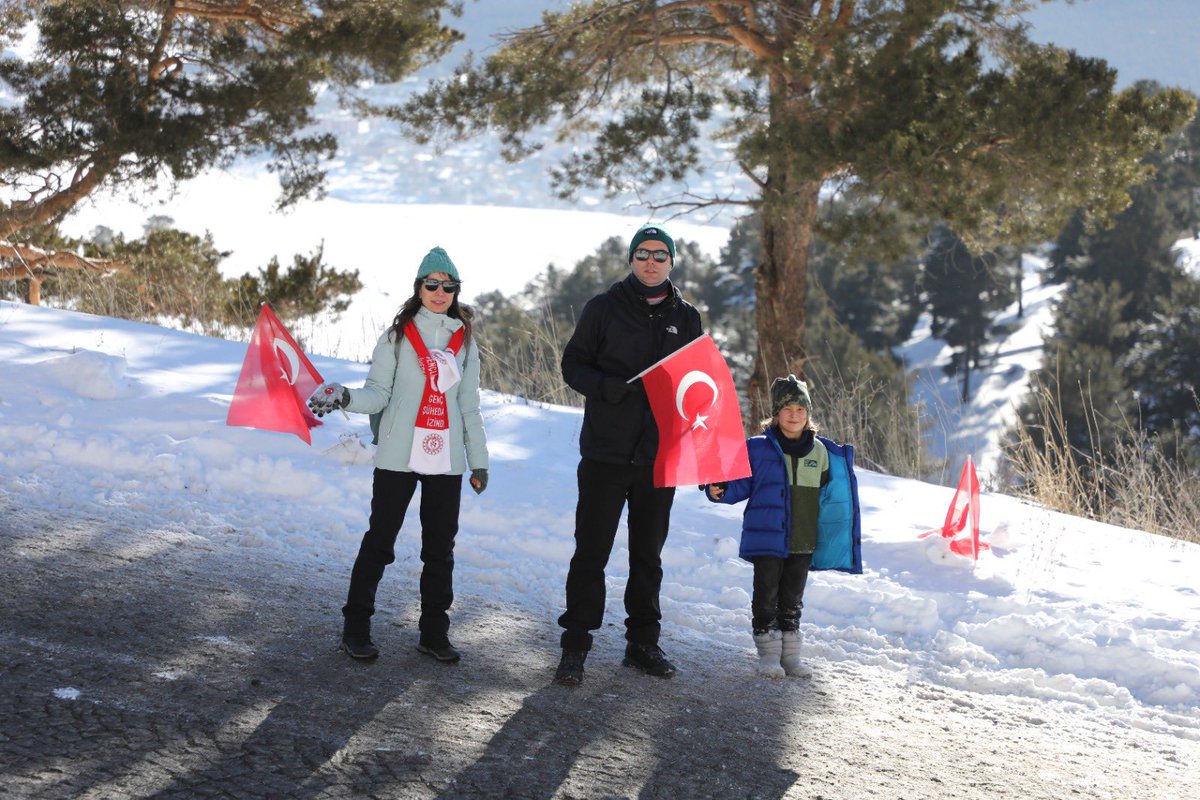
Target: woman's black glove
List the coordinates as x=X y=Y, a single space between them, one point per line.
x=328 y=397
x=717 y=490
x=478 y=480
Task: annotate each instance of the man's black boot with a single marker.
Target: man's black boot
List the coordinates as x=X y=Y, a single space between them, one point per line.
x=443 y=651
x=649 y=659
x=356 y=642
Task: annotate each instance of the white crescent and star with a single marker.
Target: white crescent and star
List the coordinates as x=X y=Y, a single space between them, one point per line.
x=293 y=361
x=690 y=380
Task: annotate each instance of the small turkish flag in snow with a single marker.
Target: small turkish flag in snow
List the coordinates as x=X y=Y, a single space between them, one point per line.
x=700 y=437
x=964 y=504
x=276 y=382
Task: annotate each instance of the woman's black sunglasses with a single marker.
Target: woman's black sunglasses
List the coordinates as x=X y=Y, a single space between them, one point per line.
x=659 y=255
x=432 y=285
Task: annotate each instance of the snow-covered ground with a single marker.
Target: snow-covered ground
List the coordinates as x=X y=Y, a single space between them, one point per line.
x=98 y=413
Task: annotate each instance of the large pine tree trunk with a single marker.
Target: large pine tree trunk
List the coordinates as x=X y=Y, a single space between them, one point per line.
x=789 y=212
x=780 y=290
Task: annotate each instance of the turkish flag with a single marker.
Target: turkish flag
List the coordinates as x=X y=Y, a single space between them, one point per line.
x=276 y=382
x=964 y=504
x=700 y=436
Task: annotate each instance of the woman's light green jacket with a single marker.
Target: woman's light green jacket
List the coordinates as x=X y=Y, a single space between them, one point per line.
x=396 y=385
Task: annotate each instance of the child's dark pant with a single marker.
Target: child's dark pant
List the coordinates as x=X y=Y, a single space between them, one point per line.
x=779 y=591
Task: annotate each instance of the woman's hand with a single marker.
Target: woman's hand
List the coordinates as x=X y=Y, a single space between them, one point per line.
x=478 y=480
x=717 y=490
x=328 y=397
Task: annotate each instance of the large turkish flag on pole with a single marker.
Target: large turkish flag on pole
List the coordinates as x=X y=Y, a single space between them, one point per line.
x=700 y=436
x=275 y=383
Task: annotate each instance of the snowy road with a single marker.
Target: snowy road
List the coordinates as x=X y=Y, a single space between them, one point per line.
x=144 y=662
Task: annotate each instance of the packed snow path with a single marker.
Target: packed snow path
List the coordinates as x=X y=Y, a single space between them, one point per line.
x=144 y=662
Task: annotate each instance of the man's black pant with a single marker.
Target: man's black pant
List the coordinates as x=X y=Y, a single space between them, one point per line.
x=779 y=591
x=391 y=493
x=604 y=489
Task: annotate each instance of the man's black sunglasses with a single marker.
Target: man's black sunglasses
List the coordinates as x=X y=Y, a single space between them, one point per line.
x=659 y=255
x=432 y=285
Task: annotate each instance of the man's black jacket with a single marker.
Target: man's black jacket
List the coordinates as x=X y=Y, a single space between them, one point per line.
x=618 y=335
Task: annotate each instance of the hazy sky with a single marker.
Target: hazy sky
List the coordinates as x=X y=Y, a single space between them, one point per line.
x=1153 y=39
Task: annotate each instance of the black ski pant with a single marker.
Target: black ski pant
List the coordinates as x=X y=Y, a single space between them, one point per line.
x=391 y=493
x=604 y=489
x=779 y=591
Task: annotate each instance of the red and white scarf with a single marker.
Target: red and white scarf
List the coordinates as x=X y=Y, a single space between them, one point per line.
x=430 y=453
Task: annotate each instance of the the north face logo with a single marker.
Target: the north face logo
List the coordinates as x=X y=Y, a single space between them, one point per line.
x=650 y=231
x=672 y=329
x=810 y=462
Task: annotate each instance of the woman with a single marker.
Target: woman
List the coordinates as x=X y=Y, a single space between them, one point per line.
x=424 y=379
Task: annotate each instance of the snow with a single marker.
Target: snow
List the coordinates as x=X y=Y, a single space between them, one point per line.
x=100 y=414
x=494 y=248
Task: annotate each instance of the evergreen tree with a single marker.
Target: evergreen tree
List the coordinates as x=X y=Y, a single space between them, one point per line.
x=1082 y=371
x=1135 y=253
x=308 y=287
x=945 y=107
x=1165 y=364
x=964 y=292
x=122 y=93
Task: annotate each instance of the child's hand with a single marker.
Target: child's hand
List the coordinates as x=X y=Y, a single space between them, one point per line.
x=717 y=490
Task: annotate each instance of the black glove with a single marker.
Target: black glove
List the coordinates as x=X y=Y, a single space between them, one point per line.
x=328 y=397
x=479 y=476
x=717 y=490
x=614 y=389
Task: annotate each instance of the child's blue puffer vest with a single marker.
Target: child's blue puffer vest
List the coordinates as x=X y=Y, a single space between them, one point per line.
x=767 y=520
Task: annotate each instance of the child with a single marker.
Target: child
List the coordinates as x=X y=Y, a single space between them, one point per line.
x=802 y=514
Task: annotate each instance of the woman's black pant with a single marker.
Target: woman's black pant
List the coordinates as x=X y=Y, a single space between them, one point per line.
x=779 y=591
x=391 y=493
x=604 y=489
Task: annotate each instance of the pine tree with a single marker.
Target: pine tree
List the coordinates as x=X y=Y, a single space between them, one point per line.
x=124 y=94
x=944 y=107
x=964 y=293
x=1165 y=364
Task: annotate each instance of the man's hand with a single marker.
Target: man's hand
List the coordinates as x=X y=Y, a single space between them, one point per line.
x=328 y=397
x=478 y=480
x=614 y=389
x=717 y=490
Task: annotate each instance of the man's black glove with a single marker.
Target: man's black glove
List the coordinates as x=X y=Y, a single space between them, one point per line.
x=717 y=490
x=328 y=397
x=478 y=480
x=614 y=389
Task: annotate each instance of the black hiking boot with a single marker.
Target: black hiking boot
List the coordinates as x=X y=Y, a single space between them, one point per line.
x=359 y=646
x=649 y=659
x=443 y=651
x=570 y=668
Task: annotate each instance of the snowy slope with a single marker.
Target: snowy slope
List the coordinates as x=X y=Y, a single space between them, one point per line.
x=109 y=414
x=956 y=430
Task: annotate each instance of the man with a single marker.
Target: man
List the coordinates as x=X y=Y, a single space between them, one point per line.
x=620 y=333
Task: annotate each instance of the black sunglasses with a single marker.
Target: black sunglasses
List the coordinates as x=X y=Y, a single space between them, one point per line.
x=659 y=255
x=432 y=285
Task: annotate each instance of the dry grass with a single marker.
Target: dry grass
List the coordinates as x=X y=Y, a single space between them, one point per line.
x=885 y=429
x=1131 y=483
x=525 y=361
